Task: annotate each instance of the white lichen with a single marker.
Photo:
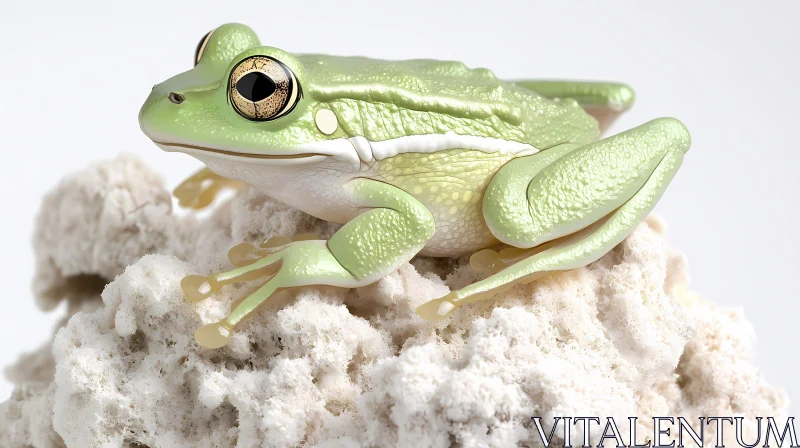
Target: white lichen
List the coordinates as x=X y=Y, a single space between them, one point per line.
x=329 y=367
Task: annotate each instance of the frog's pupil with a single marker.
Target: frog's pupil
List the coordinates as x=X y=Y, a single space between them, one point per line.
x=255 y=86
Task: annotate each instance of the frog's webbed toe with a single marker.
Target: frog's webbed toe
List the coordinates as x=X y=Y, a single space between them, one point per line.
x=197 y=288
x=214 y=335
x=490 y=262
x=486 y=261
x=295 y=264
x=201 y=188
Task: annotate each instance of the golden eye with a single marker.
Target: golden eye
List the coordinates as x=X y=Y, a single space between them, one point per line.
x=201 y=46
x=262 y=89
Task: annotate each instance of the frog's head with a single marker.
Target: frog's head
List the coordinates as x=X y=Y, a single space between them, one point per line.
x=241 y=101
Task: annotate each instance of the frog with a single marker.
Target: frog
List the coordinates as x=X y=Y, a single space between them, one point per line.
x=416 y=157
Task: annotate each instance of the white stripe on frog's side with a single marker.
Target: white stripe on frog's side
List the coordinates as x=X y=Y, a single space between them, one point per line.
x=439 y=142
x=363 y=148
x=358 y=149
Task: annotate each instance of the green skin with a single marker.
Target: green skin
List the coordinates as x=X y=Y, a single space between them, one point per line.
x=551 y=187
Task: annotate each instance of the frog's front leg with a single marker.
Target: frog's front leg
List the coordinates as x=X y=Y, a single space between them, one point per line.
x=570 y=205
x=392 y=230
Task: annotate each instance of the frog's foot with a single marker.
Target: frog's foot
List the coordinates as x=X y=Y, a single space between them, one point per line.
x=490 y=262
x=441 y=308
x=243 y=254
x=300 y=263
x=605 y=101
x=614 y=200
x=393 y=229
x=200 y=189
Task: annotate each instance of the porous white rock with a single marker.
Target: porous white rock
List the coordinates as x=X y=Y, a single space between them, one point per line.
x=329 y=367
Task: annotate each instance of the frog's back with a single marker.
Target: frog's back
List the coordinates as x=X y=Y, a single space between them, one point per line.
x=432 y=96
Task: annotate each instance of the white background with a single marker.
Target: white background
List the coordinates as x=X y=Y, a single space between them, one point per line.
x=73 y=75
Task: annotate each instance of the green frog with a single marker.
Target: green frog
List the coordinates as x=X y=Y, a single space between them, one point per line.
x=412 y=157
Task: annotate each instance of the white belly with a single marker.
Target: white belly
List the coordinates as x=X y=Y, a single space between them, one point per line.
x=316 y=188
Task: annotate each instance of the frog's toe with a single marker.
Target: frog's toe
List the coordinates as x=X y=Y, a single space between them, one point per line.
x=486 y=261
x=441 y=308
x=437 y=309
x=200 y=189
x=489 y=262
x=214 y=335
x=196 y=288
x=244 y=254
x=297 y=264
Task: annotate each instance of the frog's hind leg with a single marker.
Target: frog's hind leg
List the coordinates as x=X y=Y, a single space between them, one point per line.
x=581 y=202
x=605 y=101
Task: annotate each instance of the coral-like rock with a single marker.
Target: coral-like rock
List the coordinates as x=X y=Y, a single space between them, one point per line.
x=328 y=367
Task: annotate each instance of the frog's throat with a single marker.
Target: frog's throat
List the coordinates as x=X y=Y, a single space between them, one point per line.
x=358 y=150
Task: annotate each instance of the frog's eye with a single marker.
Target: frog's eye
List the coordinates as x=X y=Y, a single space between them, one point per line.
x=262 y=89
x=201 y=46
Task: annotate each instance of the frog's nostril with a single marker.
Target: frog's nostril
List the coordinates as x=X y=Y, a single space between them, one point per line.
x=176 y=98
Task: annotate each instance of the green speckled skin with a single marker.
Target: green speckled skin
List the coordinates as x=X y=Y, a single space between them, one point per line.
x=395 y=226
x=451 y=185
x=372 y=98
x=610 y=186
x=416 y=156
x=387 y=99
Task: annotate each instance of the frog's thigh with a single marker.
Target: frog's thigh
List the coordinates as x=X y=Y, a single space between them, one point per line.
x=562 y=190
x=664 y=140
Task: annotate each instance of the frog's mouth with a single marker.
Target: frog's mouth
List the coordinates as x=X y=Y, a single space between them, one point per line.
x=202 y=152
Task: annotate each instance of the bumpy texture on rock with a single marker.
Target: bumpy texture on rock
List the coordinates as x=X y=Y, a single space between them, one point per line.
x=328 y=367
